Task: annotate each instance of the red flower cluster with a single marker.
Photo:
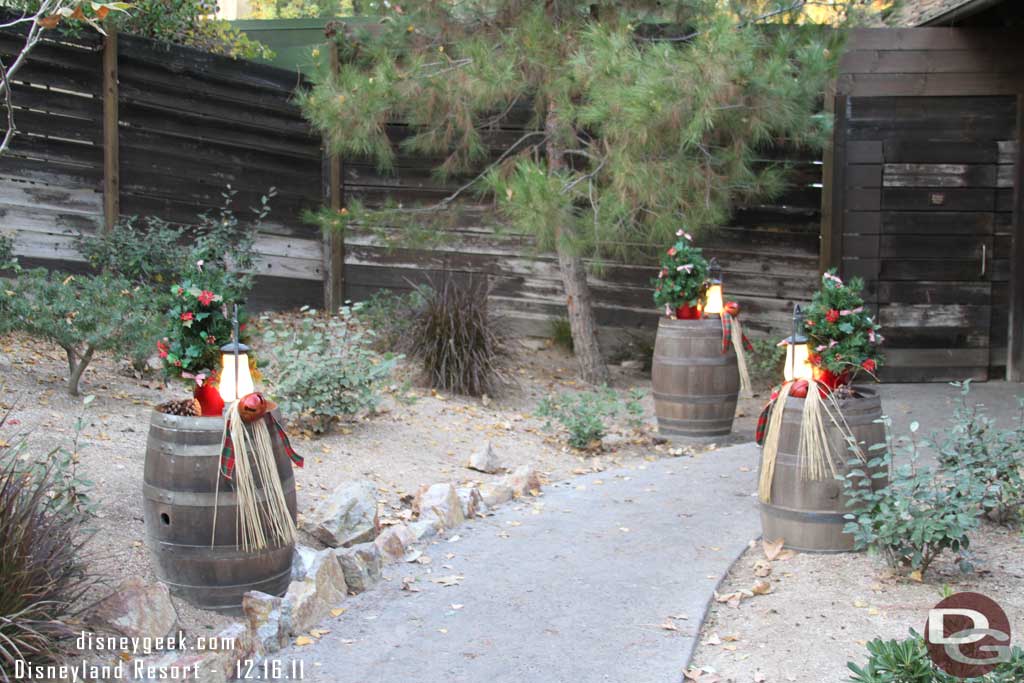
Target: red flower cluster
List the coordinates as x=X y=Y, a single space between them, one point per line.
x=162 y=349
x=186 y=316
x=206 y=297
x=832 y=316
x=869 y=365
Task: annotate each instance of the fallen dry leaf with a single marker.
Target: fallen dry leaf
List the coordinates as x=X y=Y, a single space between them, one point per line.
x=450 y=580
x=669 y=626
x=772 y=548
x=761 y=587
x=338 y=611
x=302 y=641
x=762 y=568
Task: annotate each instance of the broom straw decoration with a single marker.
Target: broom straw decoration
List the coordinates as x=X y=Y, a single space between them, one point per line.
x=746 y=388
x=815 y=453
x=771 y=443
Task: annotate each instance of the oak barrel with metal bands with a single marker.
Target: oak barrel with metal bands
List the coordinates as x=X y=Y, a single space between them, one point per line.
x=809 y=514
x=179 y=489
x=695 y=385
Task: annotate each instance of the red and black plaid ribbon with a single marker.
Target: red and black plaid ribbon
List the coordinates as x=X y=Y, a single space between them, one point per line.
x=762 y=421
x=227 y=454
x=727 y=334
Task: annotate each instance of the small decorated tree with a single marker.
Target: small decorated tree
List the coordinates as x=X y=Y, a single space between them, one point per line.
x=844 y=337
x=682 y=280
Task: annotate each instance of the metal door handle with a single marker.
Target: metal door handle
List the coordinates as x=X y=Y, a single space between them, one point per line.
x=984 y=260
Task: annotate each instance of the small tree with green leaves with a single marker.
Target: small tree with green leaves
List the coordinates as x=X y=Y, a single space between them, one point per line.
x=80 y=314
x=647 y=117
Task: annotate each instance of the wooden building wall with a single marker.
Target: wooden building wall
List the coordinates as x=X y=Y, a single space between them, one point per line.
x=923 y=201
x=188 y=124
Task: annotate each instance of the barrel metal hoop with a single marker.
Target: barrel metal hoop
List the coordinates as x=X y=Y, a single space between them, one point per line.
x=809 y=516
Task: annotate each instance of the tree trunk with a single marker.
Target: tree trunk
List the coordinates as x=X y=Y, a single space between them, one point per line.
x=578 y=299
x=77 y=370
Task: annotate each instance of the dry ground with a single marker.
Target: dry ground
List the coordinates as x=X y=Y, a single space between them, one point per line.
x=420 y=442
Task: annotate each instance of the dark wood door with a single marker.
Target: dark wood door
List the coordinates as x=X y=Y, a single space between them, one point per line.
x=929 y=209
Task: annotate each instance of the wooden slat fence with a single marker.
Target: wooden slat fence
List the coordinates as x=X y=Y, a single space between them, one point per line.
x=188 y=125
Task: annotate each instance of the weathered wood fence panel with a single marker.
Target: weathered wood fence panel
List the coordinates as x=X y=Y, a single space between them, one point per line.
x=927 y=120
x=769 y=253
x=188 y=125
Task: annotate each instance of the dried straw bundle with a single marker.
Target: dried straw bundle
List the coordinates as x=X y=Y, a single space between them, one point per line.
x=771 y=444
x=263 y=518
x=746 y=389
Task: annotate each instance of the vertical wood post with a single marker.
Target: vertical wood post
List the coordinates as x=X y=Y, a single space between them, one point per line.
x=1015 y=345
x=334 y=242
x=831 y=223
x=111 y=165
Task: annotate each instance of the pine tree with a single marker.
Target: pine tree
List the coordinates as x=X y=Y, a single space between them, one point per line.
x=648 y=116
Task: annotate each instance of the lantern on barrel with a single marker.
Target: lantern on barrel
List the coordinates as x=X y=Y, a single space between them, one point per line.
x=798 y=364
x=219 y=495
x=810 y=431
x=694 y=374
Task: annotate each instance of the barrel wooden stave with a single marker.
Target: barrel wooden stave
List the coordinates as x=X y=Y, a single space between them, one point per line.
x=179 y=494
x=695 y=385
x=809 y=515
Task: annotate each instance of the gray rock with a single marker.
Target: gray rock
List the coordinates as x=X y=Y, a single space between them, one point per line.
x=393 y=542
x=441 y=502
x=485 y=460
x=302 y=560
x=472 y=502
x=525 y=481
x=386 y=405
x=424 y=528
x=361 y=564
x=348 y=516
x=495 y=493
x=310 y=601
x=534 y=343
x=242 y=643
x=632 y=364
x=135 y=609
x=265 y=615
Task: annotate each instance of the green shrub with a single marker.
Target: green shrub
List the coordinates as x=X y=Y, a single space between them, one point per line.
x=6 y=252
x=322 y=367
x=456 y=340
x=766 y=362
x=82 y=314
x=176 y=264
x=390 y=315
x=41 y=539
x=907 y=661
x=583 y=414
x=561 y=333
x=993 y=457
x=920 y=513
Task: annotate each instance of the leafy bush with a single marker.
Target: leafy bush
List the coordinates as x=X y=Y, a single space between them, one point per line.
x=6 y=252
x=323 y=366
x=40 y=569
x=192 y=23
x=197 y=270
x=81 y=314
x=993 y=457
x=907 y=661
x=920 y=514
x=561 y=333
x=766 y=362
x=583 y=414
x=457 y=341
x=390 y=315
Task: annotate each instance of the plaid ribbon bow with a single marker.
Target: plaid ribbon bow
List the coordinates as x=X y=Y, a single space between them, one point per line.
x=227 y=454
x=727 y=334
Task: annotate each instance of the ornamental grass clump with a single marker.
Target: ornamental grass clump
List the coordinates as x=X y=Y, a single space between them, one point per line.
x=457 y=341
x=41 y=572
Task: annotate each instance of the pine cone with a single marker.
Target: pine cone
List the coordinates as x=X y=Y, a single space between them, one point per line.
x=188 y=407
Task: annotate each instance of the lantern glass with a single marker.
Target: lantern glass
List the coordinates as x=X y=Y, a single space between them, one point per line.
x=798 y=363
x=231 y=387
x=714 y=303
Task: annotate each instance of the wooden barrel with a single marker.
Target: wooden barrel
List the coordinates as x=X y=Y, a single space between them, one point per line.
x=180 y=482
x=695 y=385
x=809 y=514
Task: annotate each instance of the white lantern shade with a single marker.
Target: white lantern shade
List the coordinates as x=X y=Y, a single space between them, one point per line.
x=798 y=363
x=713 y=303
x=229 y=389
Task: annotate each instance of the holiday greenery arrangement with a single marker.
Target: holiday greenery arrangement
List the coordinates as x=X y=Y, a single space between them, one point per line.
x=843 y=336
x=682 y=280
